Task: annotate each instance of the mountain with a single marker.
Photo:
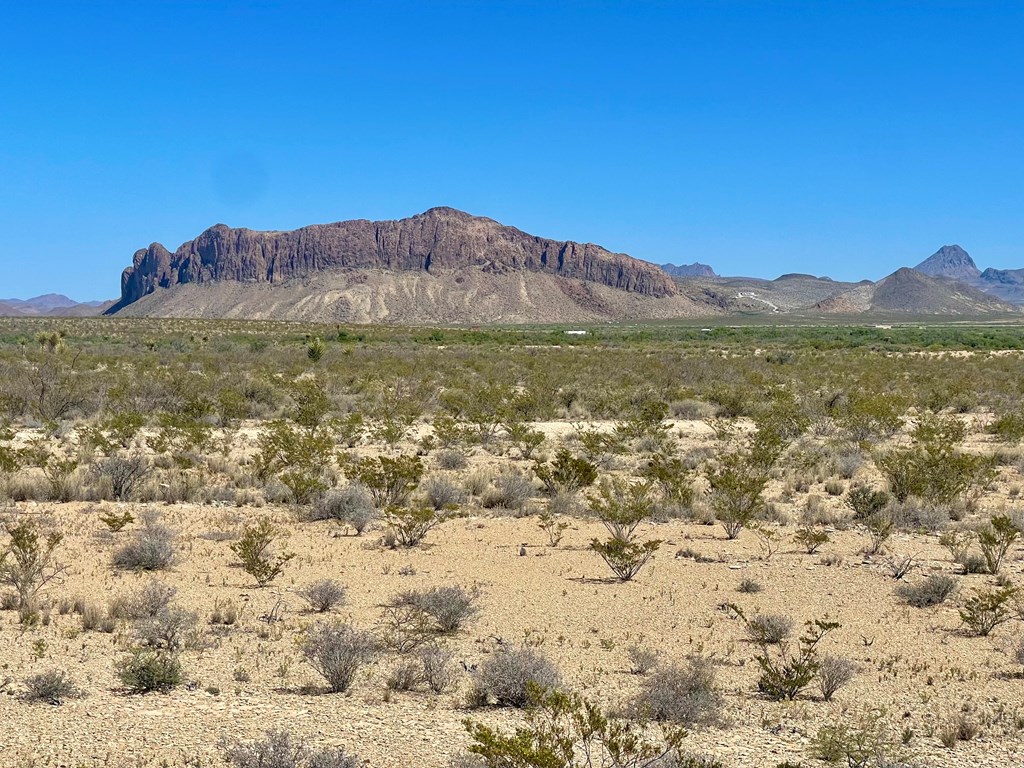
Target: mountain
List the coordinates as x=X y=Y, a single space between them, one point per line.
x=915 y=292
x=950 y=261
x=442 y=265
x=954 y=262
x=688 y=270
x=51 y=305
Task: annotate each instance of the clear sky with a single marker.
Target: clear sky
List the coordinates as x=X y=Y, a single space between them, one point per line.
x=840 y=138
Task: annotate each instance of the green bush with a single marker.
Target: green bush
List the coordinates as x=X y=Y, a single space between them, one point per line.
x=254 y=549
x=146 y=671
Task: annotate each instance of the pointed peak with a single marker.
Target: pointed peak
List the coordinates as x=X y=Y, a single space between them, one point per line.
x=950 y=261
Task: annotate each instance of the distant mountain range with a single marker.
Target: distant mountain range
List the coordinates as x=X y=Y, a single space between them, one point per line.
x=51 y=305
x=446 y=266
x=952 y=261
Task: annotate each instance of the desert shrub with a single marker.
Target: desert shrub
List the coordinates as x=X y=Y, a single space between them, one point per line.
x=769 y=628
x=553 y=527
x=565 y=473
x=859 y=743
x=865 y=501
x=170 y=629
x=225 y=612
x=933 y=590
x=683 y=695
x=296 y=454
x=442 y=493
x=810 y=538
x=621 y=507
x=151 y=548
x=351 y=506
x=866 y=415
x=641 y=659
x=449 y=607
x=899 y=566
x=672 y=477
x=52 y=686
x=407 y=675
x=436 y=661
x=410 y=525
x=450 y=459
x=337 y=651
x=390 y=480
x=1008 y=427
x=987 y=609
x=254 y=550
x=95 y=618
x=625 y=559
x=932 y=468
x=149 y=600
x=739 y=479
x=506 y=677
x=124 y=473
x=995 y=540
x=146 y=671
x=880 y=527
x=749 y=586
x=958 y=728
x=28 y=563
x=116 y=520
x=787 y=672
x=511 y=490
x=958 y=542
x=524 y=438
x=561 y=729
x=833 y=673
x=323 y=595
x=279 y=749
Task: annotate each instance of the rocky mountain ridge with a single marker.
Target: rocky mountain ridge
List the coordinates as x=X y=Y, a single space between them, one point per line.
x=438 y=241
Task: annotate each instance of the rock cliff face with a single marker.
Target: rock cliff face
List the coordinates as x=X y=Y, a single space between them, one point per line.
x=439 y=241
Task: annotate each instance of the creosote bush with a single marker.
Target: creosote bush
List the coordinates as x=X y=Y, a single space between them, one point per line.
x=148 y=671
x=564 y=730
x=254 y=549
x=410 y=525
x=28 y=562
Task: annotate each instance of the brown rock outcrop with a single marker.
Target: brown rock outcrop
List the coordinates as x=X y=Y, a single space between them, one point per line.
x=439 y=241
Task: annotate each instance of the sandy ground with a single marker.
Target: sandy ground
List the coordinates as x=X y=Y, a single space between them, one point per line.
x=917 y=668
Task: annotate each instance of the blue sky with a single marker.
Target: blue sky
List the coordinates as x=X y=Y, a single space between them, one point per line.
x=834 y=138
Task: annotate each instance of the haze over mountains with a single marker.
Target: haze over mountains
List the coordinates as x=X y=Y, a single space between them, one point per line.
x=446 y=266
